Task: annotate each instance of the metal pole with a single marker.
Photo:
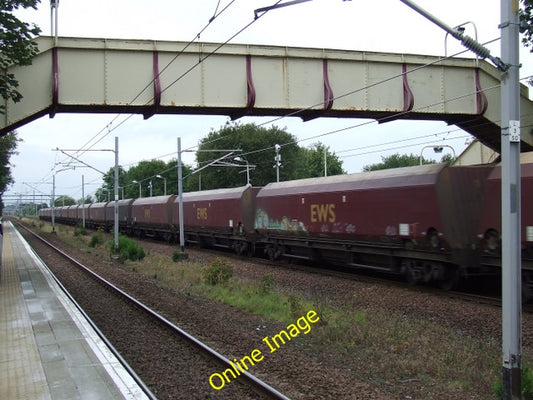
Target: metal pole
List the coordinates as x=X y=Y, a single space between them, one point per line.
x=56 y=33
x=325 y=162
x=509 y=66
x=54 y=6
x=53 y=201
x=278 y=159
x=116 y=194
x=510 y=152
x=83 y=201
x=180 y=195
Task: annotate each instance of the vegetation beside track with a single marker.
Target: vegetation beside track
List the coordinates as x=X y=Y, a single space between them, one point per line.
x=395 y=348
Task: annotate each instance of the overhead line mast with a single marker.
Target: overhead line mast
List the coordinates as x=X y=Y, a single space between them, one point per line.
x=509 y=66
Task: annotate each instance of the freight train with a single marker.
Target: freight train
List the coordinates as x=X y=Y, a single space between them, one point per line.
x=430 y=223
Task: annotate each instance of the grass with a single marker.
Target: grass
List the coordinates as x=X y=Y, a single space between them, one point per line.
x=385 y=347
x=406 y=348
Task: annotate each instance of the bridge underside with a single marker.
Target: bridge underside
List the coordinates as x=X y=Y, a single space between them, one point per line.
x=146 y=77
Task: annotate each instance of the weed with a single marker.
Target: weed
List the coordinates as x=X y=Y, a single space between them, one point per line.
x=218 y=272
x=177 y=256
x=96 y=240
x=296 y=306
x=526 y=380
x=80 y=230
x=267 y=284
x=128 y=249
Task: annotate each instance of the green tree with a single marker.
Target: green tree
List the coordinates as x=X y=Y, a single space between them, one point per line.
x=397 y=161
x=526 y=22
x=156 y=172
x=317 y=156
x=8 y=146
x=257 y=145
x=88 y=200
x=64 y=201
x=16 y=46
x=109 y=184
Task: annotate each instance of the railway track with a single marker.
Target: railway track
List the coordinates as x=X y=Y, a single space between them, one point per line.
x=171 y=363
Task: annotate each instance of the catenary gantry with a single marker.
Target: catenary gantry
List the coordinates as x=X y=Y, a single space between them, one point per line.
x=161 y=77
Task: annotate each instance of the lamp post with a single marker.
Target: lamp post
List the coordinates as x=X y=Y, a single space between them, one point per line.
x=106 y=190
x=437 y=148
x=164 y=183
x=277 y=159
x=140 y=190
x=242 y=159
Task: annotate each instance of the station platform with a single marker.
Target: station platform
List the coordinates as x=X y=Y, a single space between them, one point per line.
x=48 y=350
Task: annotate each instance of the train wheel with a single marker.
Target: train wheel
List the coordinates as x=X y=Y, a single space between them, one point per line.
x=433 y=239
x=492 y=240
x=274 y=252
x=414 y=272
x=241 y=247
x=449 y=279
x=270 y=252
x=527 y=287
x=251 y=250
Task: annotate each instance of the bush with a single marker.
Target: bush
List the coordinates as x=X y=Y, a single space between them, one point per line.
x=218 y=272
x=96 y=239
x=527 y=384
x=177 y=256
x=80 y=230
x=127 y=249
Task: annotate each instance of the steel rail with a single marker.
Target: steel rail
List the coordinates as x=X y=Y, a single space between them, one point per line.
x=255 y=382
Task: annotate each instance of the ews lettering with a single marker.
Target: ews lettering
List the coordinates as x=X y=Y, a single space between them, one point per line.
x=201 y=213
x=322 y=212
